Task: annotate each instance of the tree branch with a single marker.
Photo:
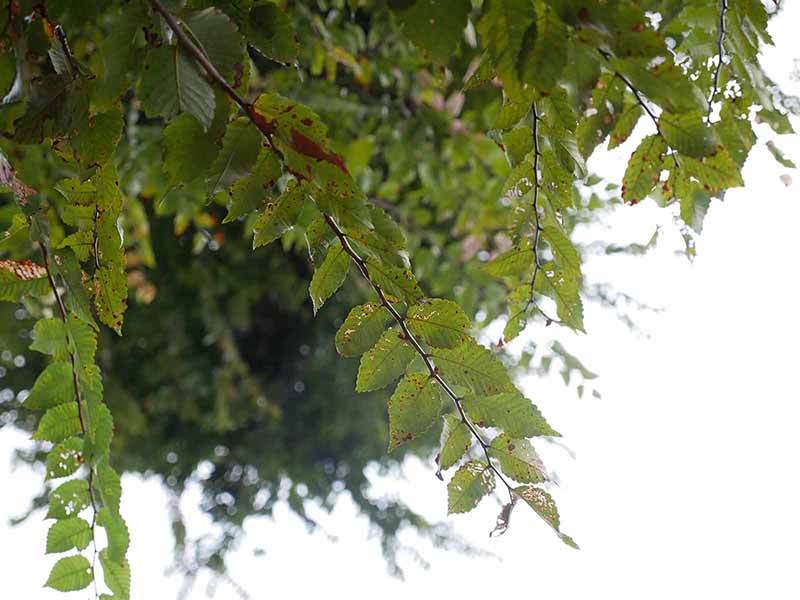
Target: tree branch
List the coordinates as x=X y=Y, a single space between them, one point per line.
x=723 y=7
x=201 y=58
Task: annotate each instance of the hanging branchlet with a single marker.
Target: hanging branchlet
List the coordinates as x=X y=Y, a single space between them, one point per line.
x=723 y=8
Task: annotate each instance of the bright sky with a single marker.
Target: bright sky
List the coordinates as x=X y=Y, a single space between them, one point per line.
x=684 y=482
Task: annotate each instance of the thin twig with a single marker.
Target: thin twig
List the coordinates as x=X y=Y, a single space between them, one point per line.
x=641 y=101
x=193 y=50
x=723 y=7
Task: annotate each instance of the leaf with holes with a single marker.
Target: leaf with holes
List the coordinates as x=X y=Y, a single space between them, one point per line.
x=454 y=441
x=68 y=499
x=65 y=458
x=688 y=134
x=518 y=459
x=439 y=323
x=469 y=485
x=361 y=329
x=544 y=506
x=643 y=169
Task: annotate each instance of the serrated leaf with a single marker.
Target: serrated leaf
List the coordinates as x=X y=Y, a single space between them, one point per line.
x=439 y=323
x=241 y=144
x=117 y=575
x=50 y=337
x=68 y=499
x=625 y=125
x=271 y=32
x=517 y=143
x=65 y=458
x=454 y=442
x=716 y=172
x=279 y=216
x=95 y=143
x=395 y=281
x=329 y=276
x=474 y=367
x=361 y=329
x=189 y=150
x=694 y=206
x=564 y=251
x=251 y=192
x=54 y=386
x=111 y=295
x=564 y=288
x=518 y=459
x=541 y=65
x=384 y=362
x=172 y=83
x=109 y=486
x=644 y=169
x=503 y=28
x=469 y=485
x=437 y=27
x=101 y=426
x=67 y=534
x=116 y=533
x=70 y=573
x=544 y=505
x=219 y=39
x=59 y=423
x=118 y=53
x=514 y=263
x=413 y=408
x=665 y=84
x=510 y=412
x=688 y=133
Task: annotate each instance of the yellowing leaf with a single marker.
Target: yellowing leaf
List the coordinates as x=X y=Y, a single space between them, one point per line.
x=468 y=486
x=518 y=459
x=384 y=362
x=361 y=329
x=413 y=408
x=439 y=323
x=511 y=412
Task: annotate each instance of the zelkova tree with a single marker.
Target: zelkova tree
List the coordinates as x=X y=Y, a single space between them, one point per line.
x=453 y=120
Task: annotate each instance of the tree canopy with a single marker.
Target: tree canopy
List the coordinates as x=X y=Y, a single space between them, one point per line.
x=239 y=234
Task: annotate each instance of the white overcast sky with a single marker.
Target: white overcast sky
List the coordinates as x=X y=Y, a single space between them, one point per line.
x=684 y=482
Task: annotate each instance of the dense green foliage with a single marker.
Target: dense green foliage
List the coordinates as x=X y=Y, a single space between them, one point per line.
x=177 y=173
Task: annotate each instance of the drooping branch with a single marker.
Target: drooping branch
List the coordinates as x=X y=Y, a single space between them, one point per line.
x=723 y=8
x=190 y=47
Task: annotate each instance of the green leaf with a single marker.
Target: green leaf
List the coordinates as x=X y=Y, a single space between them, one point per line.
x=361 y=329
x=437 y=27
x=544 y=505
x=118 y=52
x=688 y=134
x=54 y=386
x=502 y=28
x=514 y=263
x=413 y=408
x=219 y=39
x=517 y=143
x=95 y=143
x=68 y=534
x=117 y=575
x=280 y=216
x=564 y=288
x=98 y=440
x=694 y=206
x=65 y=458
x=511 y=412
x=384 y=362
x=59 y=423
x=665 y=84
x=251 y=192
x=624 y=126
x=779 y=156
x=172 y=83
x=271 y=32
x=116 y=533
x=189 y=150
x=439 y=323
x=329 y=276
x=644 y=169
x=50 y=337
x=715 y=173
x=542 y=65
x=20 y=278
x=454 y=442
x=564 y=251
x=474 y=367
x=469 y=485
x=68 y=499
x=70 y=573
x=108 y=484
x=111 y=295
x=395 y=281
x=518 y=459
x=241 y=145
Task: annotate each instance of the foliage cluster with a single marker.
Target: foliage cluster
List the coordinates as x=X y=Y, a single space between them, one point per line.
x=162 y=151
